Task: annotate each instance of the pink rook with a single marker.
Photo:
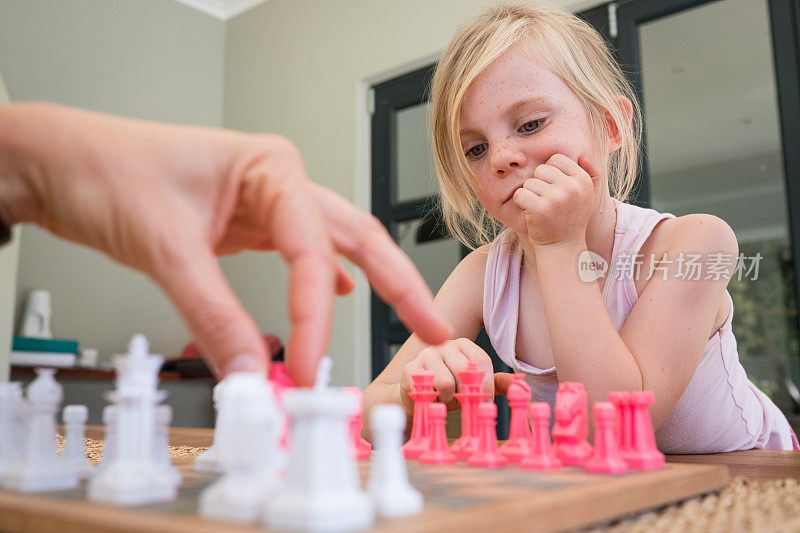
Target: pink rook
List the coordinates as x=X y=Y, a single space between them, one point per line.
x=606 y=458
x=623 y=428
x=644 y=455
x=361 y=447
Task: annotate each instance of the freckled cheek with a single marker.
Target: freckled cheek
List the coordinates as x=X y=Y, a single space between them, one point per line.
x=572 y=144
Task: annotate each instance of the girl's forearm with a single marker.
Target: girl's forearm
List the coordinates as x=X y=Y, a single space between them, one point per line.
x=586 y=346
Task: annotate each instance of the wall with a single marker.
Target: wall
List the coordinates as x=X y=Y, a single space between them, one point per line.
x=301 y=68
x=151 y=59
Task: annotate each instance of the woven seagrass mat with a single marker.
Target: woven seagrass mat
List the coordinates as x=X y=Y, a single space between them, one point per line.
x=744 y=506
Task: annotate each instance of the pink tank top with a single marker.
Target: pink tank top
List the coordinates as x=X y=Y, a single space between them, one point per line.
x=720 y=410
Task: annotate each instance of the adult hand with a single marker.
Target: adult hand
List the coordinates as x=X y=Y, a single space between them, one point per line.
x=166 y=199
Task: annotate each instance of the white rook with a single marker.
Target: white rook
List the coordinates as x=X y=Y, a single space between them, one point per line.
x=323 y=491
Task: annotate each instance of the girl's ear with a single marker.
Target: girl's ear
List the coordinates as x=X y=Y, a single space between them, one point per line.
x=615 y=138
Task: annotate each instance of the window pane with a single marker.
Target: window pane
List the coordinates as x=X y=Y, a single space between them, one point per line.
x=714 y=147
x=435 y=259
x=416 y=177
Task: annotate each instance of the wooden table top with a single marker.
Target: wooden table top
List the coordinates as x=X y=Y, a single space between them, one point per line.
x=753 y=464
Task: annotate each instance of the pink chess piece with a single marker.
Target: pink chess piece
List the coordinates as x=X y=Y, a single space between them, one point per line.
x=517 y=445
x=423 y=394
x=470 y=395
x=540 y=455
x=361 y=447
x=623 y=428
x=281 y=381
x=643 y=455
x=279 y=377
x=488 y=455
x=438 y=453
x=606 y=458
x=572 y=425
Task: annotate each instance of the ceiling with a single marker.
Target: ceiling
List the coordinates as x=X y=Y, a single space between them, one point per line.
x=222 y=9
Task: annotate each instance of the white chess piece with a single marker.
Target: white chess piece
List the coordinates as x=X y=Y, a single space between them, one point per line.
x=249 y=438
x=39 y=468
x=161 y=445
x=75 y=417
x=12 y=430
x=208 y=461
x=388 y=484
x=133 y=477
x=323 y=492
x=36 y=321
x=110 y=420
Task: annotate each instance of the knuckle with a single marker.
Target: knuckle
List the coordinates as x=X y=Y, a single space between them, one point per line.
x=446 y=387
x=279 y=144
x=371 y=231
x=219 y=319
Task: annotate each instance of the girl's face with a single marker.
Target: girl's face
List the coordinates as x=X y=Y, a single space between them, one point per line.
x=514 y=116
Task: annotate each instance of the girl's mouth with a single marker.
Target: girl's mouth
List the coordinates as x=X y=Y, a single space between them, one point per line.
x=511 y=196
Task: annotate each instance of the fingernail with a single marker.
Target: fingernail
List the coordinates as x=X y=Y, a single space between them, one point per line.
x=245 y=362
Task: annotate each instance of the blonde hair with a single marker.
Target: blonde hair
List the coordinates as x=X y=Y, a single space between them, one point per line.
x=567 y=46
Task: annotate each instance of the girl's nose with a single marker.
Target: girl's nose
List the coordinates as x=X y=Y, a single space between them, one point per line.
x=507 y=158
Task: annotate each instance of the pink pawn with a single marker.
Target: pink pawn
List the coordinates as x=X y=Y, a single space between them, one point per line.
x=361 y=447
x=487 y=455
x=470 y=395
x=541 y=455
x=517 y=445
x=606 y=458
x=438 y=453
x=644 y=455
x=572 y=424
x=423 y=394
x=623 y=428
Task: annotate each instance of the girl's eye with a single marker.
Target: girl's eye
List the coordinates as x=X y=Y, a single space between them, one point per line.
x=476 y=151
x=531 y=125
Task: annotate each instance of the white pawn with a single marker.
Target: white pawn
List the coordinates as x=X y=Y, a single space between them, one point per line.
x=208 y=461
x=40 y=468
x=75 y=417
x=323 y=491
x=388 y=484
x=248 y=435
x=12 y=429
x=161 y=444
x=110 y=420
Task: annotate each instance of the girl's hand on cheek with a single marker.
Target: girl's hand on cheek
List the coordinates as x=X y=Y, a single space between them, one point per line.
x=558 y=200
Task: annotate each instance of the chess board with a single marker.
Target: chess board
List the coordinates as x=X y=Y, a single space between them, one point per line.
x=458 y=498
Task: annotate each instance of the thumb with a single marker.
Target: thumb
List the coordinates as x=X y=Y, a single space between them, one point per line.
x=501 y=382
x=225 y=333
x=590 y=169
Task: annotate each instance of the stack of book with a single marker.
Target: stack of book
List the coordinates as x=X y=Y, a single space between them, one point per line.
x=29 y=351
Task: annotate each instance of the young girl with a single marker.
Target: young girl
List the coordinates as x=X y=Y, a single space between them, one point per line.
x=533 y=124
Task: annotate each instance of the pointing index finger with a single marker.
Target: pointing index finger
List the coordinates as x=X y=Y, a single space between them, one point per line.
x=364 y=241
